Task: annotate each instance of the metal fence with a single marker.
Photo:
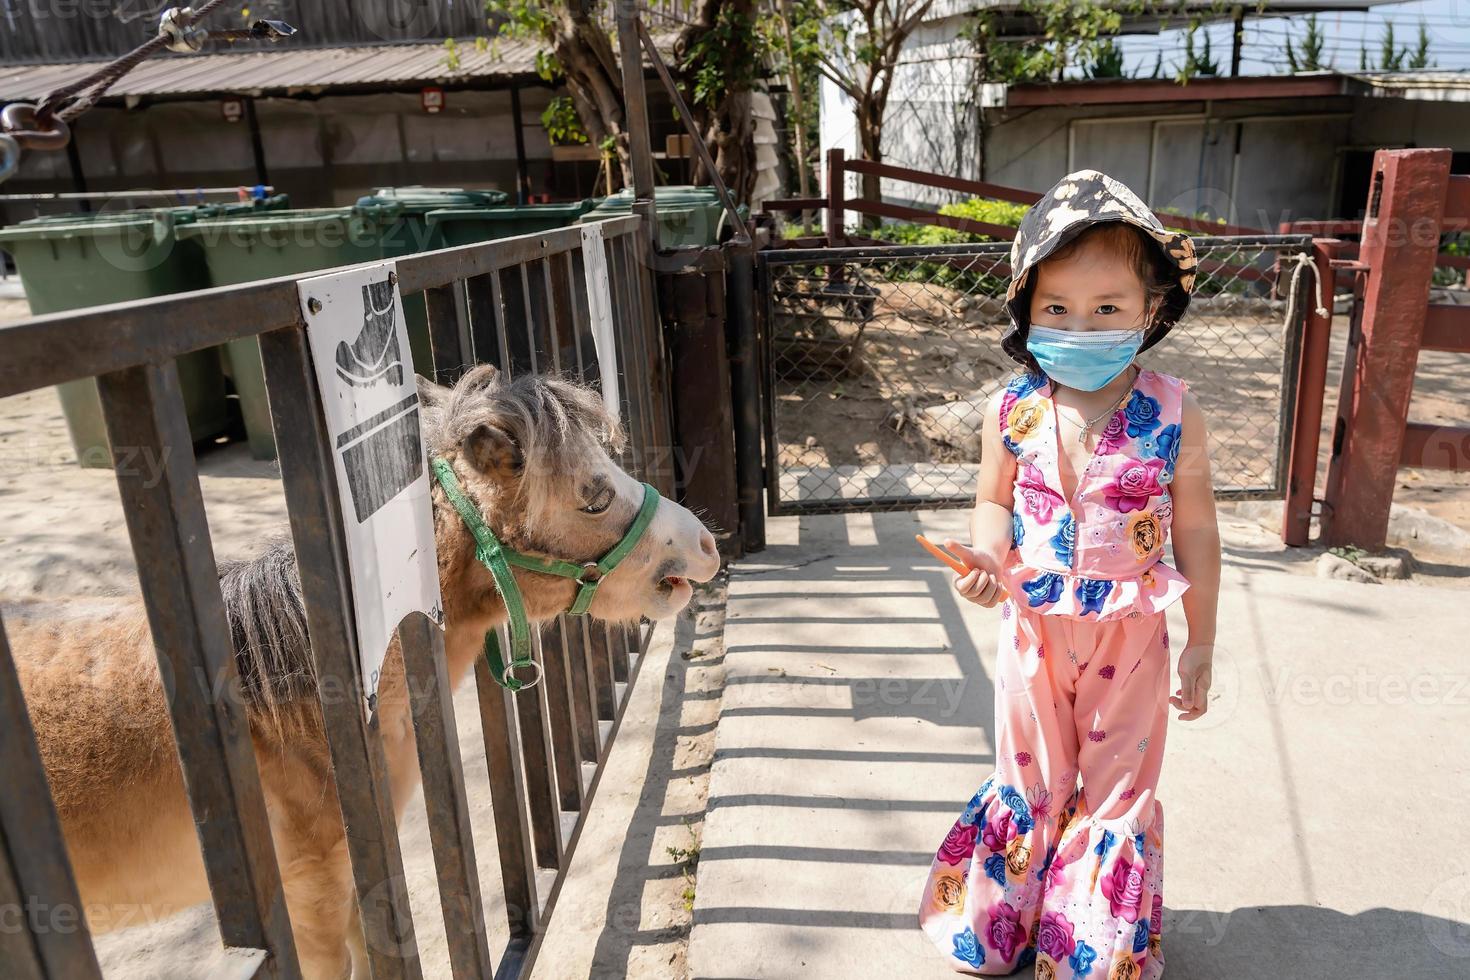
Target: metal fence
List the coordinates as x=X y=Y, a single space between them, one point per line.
x=879 y=360
x=520 y=303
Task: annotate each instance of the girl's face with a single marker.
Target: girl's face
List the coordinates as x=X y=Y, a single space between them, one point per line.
x=1094 y=288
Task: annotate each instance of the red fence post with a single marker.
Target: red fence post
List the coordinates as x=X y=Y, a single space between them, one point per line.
x=836 y=194
x=1406 y=201
x=1311 y=385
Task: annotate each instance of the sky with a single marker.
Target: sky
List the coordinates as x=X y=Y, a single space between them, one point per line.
x=1264 y=50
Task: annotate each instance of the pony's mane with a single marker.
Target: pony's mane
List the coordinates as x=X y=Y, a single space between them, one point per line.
x=557 y=422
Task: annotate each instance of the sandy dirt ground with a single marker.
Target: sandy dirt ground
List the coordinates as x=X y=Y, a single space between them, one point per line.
x=902 y=387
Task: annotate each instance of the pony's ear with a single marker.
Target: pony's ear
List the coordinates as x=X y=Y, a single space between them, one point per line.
x=430 y=394
x=494 y=452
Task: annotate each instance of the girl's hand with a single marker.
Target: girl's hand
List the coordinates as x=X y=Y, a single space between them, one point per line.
x=1192 y=696
x=980 y=584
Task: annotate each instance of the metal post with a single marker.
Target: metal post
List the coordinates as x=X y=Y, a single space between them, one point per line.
x=745 y=385
x=257 y=145
x=1237 y=38
x=635 y=102
x=1406 y=202
x=836 y=192
x=523 y=181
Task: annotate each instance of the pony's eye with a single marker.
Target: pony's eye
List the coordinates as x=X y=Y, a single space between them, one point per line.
x=599 y=508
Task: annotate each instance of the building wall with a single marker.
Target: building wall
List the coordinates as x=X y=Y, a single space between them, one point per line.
x=1254 y=163
x=323 y=152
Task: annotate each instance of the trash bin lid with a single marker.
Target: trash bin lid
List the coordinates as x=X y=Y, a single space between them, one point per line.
x=179 y=213
x=431 y=198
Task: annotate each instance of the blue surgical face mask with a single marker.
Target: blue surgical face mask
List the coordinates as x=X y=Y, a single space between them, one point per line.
x=1083 y=359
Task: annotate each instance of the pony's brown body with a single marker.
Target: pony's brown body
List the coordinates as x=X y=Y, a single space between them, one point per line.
x=99 y=708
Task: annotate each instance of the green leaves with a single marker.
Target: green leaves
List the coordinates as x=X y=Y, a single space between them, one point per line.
x=563 y=127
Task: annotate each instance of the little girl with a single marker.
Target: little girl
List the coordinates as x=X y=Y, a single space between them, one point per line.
x=1087 y=460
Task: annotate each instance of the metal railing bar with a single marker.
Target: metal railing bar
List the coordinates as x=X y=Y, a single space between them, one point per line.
x=571 y=846
x=565 y=756
x=424 y=269
x=144 y=410
x=512 y=322
x=648 y=351
x=530 y=317
x=539 y=769
x=580 y=686
x=359 y=768
x=560 y=302
x=482 y=299
x=56 y=347
x=599 y=654
x=34 y=864
x=445 y=800
x=508 y=802
x=445 y=311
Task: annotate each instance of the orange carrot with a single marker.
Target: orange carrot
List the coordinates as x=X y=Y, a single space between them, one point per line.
x=943 y=555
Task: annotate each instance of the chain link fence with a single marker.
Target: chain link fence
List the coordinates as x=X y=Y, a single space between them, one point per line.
x=879 y=362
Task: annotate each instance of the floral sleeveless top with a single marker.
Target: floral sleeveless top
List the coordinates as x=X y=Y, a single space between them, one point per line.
x=1098 y=556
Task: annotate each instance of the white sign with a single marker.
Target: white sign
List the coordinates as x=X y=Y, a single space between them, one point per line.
x=599 y=308
x=364 y=368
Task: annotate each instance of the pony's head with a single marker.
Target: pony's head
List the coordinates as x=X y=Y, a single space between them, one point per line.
x=535 y=456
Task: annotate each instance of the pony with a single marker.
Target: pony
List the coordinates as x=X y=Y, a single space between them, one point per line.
x=535 y=456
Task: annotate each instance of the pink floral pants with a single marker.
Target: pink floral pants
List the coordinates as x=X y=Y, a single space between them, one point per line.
x=1037 y=868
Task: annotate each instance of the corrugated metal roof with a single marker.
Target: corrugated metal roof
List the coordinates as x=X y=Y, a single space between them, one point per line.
x=286 y=70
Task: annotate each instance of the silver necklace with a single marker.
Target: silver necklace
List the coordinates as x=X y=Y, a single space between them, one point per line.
x=1082 y=436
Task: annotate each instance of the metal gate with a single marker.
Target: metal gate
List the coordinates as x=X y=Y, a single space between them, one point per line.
x=878 y=361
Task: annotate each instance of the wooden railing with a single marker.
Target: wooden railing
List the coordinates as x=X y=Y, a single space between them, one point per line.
x=836 y=204
x=1413 y=200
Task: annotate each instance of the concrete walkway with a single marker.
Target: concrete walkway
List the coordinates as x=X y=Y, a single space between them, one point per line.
x=1317 y=813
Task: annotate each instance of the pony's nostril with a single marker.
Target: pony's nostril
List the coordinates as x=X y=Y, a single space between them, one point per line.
x=707 y=542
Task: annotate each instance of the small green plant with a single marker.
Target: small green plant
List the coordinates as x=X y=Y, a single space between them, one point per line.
x=1107 y=60
x=451 y=54
x=1197 y=63
x=563 y=127
x=687 y=858
x=1349 y=552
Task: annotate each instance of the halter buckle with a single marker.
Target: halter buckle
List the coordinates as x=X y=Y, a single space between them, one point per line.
x=590 y=573
x=508 y=675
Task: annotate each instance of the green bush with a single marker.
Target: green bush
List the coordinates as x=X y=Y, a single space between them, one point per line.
x=942 y=273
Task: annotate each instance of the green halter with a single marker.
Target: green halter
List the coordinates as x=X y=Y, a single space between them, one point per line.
x=498 y=559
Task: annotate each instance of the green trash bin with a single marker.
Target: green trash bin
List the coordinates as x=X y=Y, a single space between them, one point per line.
x=412 y=231
x=467 y=226
x=391 y=222
x=240 y=249
x=67 y=262
x=687 y=215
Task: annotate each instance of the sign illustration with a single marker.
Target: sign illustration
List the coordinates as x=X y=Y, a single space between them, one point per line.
x=370 y=402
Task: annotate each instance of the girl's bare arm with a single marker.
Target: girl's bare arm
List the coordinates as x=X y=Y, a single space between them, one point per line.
x=990 y=520
x=1194 y=527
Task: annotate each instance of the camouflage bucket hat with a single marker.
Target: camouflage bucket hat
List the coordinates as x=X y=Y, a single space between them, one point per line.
x=1077 y=202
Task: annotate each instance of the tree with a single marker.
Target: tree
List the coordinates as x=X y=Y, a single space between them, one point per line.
x=1391 y=57
x=1310 y=58
x=1420 y=58
x=797 y=37
x=860 y=47
x=717 y=59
